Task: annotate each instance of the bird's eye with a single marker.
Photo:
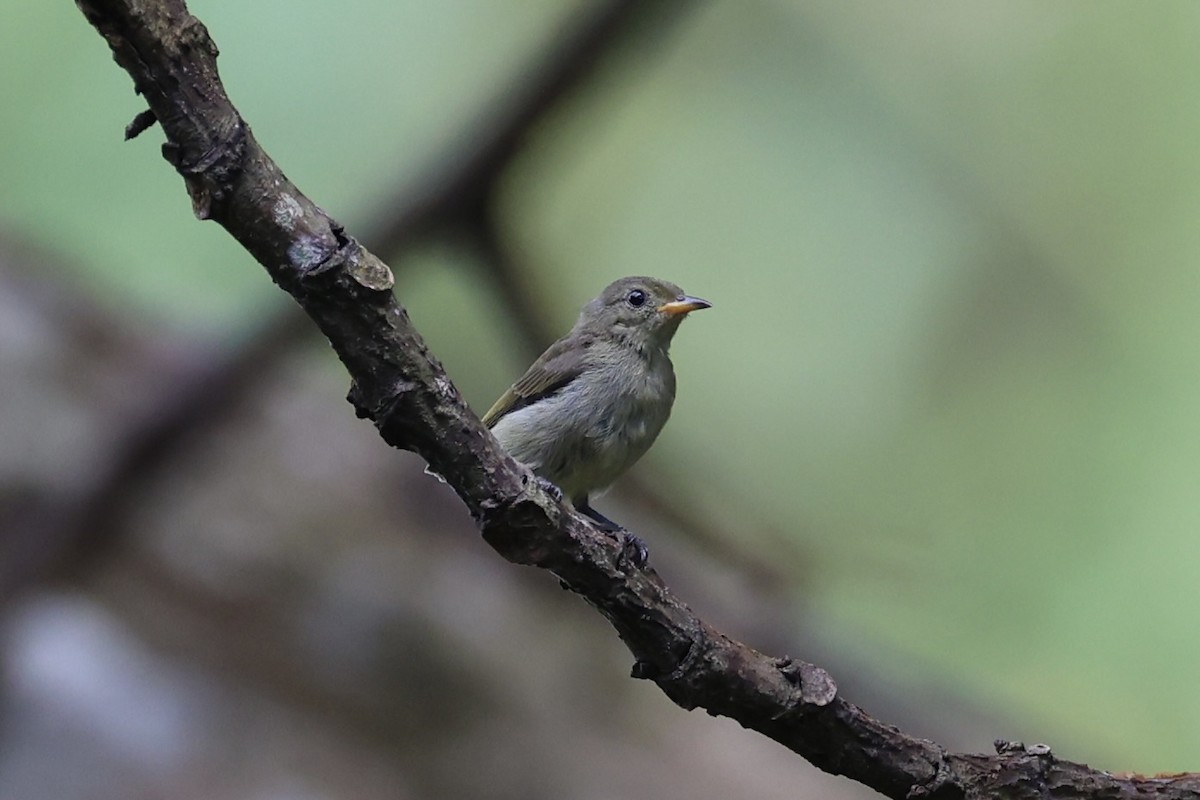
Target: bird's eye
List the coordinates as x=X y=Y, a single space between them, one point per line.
x=637 y=298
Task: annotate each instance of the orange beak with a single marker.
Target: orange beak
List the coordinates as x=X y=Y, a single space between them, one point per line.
x=683 y=305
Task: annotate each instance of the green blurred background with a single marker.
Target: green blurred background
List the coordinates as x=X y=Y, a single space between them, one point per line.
x=952 y=250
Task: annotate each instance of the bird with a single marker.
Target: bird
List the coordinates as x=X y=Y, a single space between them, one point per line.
x=592 y=404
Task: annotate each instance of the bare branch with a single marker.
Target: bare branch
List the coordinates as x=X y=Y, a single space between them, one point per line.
x=400 y=386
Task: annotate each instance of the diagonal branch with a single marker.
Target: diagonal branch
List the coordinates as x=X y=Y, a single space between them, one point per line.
x=398 y=384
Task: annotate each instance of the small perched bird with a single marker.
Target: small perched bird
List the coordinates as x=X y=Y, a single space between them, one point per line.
x=594 y=402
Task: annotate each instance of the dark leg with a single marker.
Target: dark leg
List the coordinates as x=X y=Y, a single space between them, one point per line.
x=633 y=549
x=604 y=523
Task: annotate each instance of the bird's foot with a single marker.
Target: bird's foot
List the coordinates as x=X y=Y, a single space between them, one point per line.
x=549 y=488
x=633 y=549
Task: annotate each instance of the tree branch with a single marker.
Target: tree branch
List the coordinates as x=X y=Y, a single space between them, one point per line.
x=400 y=386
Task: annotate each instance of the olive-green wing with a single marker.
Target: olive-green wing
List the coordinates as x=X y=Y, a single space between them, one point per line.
x=557 y=367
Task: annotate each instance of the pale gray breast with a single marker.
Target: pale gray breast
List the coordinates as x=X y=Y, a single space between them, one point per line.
x=633 y=406
x=583 y=437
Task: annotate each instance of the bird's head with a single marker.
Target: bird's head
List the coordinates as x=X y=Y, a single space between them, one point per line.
x=642 y=311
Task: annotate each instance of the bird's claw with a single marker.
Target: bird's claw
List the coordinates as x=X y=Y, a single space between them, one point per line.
x=633 y=550
x=549 y=488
